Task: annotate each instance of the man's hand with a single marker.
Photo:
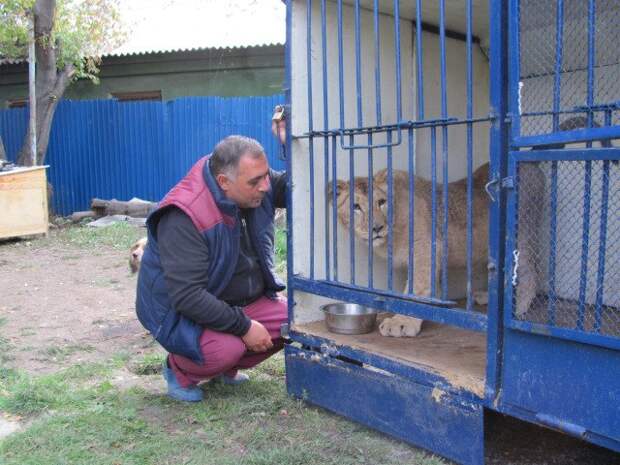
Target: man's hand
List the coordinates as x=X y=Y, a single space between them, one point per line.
x=278 y=123
x=257 y=339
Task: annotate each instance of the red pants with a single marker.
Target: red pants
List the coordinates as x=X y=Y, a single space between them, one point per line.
x=225 y=353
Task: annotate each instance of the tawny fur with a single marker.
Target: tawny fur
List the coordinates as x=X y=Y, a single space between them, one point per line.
x=399 y=326
x=135 y=254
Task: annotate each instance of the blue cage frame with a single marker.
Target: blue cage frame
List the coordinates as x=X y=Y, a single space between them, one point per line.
x=529 y=366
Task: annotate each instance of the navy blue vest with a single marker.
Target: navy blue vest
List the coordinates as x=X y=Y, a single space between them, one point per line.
x=217 y=219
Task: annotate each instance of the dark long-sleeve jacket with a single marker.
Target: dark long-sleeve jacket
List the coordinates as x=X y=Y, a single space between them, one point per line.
x=176 y=324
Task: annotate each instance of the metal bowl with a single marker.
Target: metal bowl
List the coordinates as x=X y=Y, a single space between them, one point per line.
x=345 y=318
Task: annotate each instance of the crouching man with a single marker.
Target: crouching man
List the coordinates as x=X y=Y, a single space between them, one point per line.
x=206 y=289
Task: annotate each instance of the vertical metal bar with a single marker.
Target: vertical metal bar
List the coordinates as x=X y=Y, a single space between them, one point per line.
x=420 y=116
x=358 y=63
x=351 y=160
x=390 y=199
x=352 y=211
x=310 y=129
x=377 y=61
x=591 y=58
x=411 y=257
x=500 y=24
x=325 y=138
x=390 y=214
x=433 y=209
x=420 y=61
x=585 y=242
x=334 y=210
x=553 y=211
x=358 y=87
x=399 y=111
x=289 y=164
x=514 y=67
x=602 y=242
x=469 y=92
x=340 y=66
x=559 y=34
x=370 y=214
x=444 y=140
x=551 y=308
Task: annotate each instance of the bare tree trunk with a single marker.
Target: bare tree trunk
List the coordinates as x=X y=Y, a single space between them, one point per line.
x=51 y=83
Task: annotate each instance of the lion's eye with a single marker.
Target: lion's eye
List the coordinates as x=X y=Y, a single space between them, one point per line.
x=357 y=207
x=381 y=202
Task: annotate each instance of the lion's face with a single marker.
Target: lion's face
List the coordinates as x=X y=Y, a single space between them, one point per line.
x=379 y=228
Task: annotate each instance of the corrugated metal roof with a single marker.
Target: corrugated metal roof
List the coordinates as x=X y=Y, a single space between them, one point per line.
x=14 y=61
x=196 y=49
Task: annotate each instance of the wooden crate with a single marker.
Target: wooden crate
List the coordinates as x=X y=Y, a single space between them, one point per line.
x=23 y=202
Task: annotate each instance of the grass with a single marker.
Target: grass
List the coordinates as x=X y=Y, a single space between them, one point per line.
x=118 y=235
x=62 y=352
x=280 y=251
x=77 y=417
x=148 y=364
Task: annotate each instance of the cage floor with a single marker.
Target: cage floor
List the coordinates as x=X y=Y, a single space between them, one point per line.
x=455 y=354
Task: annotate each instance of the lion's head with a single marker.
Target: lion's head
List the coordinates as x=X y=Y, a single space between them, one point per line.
x=361 y=198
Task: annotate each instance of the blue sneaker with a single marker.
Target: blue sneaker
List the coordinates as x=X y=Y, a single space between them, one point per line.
x=236 y=380
x=189 y=394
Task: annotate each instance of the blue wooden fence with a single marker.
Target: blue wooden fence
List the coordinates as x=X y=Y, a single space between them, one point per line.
x=109 y=149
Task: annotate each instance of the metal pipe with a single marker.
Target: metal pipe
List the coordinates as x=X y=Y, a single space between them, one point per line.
x=444 y=141
x=310 y=128
x=325 y=136
x=469 y=92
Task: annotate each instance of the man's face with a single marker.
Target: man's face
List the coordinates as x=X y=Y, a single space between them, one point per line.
x=251 y=184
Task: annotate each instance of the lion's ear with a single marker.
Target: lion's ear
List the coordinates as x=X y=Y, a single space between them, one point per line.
x=361 y=185
x=341 y=187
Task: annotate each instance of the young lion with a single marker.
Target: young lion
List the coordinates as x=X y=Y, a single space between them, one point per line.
x=401 y=326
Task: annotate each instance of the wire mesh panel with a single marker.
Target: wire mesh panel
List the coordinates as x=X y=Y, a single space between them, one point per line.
x=566 y=260
x=568 y=63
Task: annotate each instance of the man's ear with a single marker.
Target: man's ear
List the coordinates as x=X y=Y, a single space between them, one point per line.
x=223 y=181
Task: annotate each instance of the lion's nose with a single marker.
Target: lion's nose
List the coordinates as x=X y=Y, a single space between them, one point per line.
x=377 y=228
x=134 y=255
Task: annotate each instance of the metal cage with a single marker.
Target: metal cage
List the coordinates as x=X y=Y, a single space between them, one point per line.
x=397 y=107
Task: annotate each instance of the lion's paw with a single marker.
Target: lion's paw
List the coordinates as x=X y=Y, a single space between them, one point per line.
x=400 y=326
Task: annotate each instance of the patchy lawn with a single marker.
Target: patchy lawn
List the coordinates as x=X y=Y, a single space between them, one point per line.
x=80 y=381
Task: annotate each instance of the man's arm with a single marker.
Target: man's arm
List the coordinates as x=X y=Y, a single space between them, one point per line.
x=184 y=258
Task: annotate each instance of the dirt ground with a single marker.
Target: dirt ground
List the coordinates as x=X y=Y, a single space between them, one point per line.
x=63 y=305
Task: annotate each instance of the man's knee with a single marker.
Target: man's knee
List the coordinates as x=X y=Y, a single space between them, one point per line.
x=223 y=352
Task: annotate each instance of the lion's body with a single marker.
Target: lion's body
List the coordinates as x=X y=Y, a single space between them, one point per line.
x=422 y=223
